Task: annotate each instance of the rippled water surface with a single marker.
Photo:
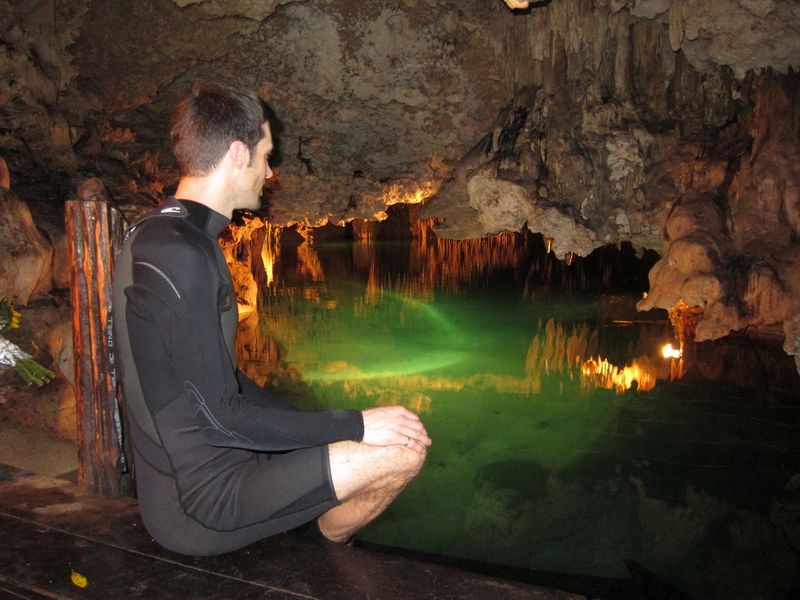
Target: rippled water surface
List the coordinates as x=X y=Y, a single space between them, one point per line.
x=563 y=441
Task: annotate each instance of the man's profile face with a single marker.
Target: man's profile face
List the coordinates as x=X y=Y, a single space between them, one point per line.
x=256 y=172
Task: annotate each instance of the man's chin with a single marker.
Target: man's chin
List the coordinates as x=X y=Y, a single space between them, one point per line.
x=253 y=204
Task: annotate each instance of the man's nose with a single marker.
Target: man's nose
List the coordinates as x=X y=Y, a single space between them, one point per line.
x=268 y=173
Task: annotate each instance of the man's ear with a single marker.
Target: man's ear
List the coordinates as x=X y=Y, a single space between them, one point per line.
x=239 y=153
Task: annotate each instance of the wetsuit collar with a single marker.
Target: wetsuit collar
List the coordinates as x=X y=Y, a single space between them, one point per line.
x=205 y=219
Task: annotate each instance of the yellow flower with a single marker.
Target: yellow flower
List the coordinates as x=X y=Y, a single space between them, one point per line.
x=9 y=317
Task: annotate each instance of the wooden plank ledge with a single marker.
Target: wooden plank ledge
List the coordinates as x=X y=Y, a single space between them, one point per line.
x=51 y=529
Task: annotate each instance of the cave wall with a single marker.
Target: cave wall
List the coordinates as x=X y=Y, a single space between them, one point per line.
x=669 y=123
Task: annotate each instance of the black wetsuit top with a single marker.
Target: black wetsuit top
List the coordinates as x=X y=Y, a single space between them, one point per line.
x=212 y=468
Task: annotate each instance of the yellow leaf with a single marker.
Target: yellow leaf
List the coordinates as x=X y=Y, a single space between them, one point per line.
x=78 y=579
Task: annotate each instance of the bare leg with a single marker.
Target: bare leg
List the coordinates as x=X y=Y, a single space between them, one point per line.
x=366 y=479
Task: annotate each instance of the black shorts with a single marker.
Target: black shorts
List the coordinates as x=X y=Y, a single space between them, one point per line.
x=275 y=492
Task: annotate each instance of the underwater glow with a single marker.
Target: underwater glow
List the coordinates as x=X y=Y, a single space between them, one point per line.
x=382 y=360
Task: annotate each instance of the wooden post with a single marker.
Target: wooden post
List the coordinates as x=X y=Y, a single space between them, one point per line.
x=94 y=232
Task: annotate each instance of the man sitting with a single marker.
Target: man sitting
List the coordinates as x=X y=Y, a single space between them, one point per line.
x=219 y=463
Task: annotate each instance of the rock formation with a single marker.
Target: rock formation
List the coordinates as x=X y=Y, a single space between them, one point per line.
x=622 y=138
x=732 y=242
x=669 y=123
x=26 y=270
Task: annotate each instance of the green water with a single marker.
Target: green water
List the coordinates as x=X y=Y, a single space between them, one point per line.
x=533 y=466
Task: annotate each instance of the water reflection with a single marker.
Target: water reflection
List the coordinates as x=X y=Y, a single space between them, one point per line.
x=564 y=440
x=569 y=354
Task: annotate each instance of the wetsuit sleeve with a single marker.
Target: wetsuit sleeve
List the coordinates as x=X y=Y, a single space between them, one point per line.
x=180 y=351
x=255 y=393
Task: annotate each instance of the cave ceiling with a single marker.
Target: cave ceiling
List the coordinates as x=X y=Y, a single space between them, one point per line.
x=369 y=94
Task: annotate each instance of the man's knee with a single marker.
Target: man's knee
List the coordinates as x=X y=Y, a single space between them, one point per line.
x=412 y=461
x=402 y=463
x=358 y=468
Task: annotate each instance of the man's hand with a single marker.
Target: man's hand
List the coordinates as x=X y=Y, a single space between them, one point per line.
x=394 y=426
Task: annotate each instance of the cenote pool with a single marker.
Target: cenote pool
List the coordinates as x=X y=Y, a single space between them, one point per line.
x=566 y=448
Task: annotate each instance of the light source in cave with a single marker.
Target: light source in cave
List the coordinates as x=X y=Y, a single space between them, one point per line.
x=397 y=194
x=400 y=194
x=675 y=357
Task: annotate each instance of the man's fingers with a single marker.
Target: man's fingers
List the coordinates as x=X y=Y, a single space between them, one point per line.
x=419 y=435
x=395 y=426
x=415 y=439
x=417 y=447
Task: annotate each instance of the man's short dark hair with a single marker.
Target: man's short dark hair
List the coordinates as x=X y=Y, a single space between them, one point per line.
x=207 y=119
